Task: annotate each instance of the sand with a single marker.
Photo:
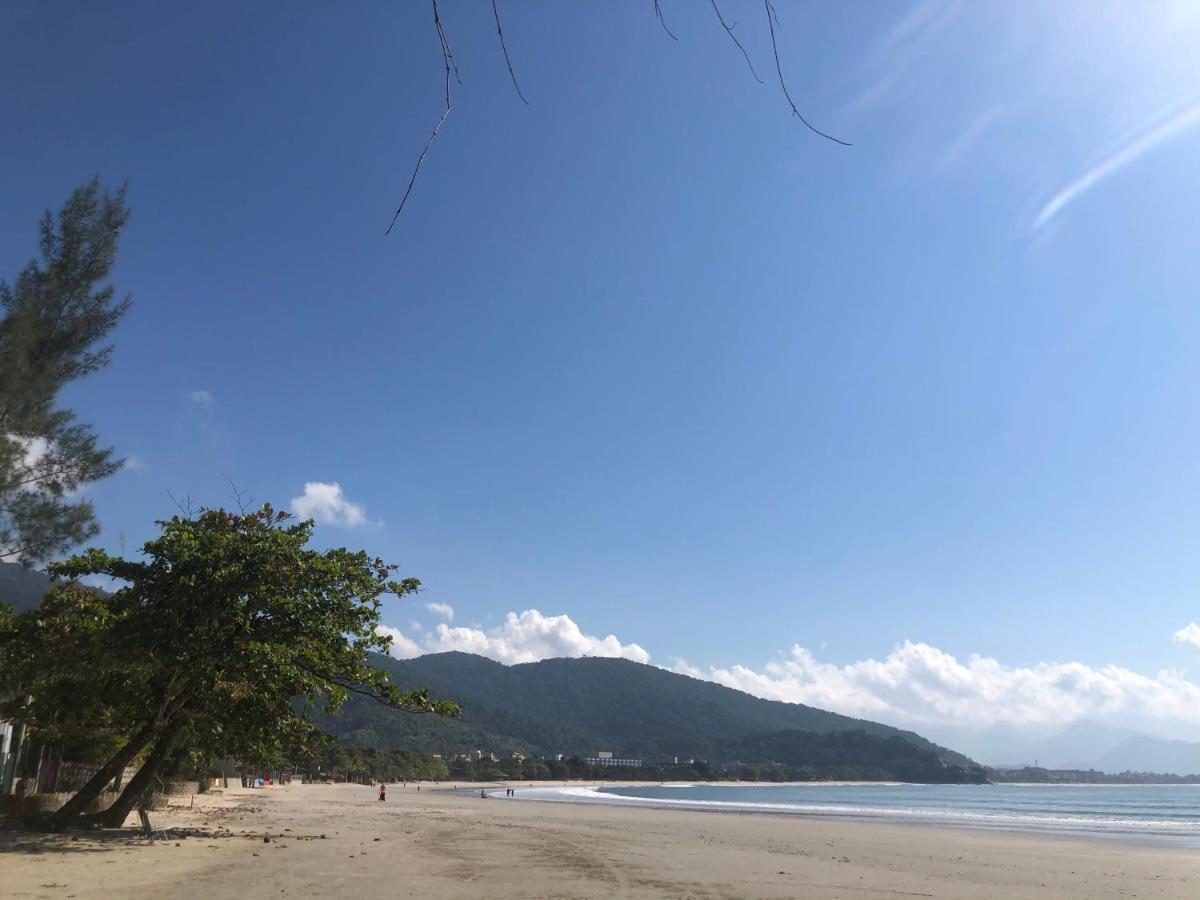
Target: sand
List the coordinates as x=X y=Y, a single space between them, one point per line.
x=339 y=841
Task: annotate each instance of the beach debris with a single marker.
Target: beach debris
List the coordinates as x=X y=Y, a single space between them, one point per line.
x=266 y=839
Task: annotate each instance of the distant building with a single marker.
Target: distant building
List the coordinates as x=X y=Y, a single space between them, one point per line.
x=605 y=758
x=477 y=756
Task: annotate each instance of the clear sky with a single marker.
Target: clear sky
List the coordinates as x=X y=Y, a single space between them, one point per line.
x=648 y=354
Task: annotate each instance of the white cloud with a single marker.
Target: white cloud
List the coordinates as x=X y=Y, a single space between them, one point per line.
x=445 y=610
x=969 y=136
x=132 y=463
x=202 y=399
x=1188 y=634
x=904 y=47
x=325 y=502
x=402 y=647
x=917 y=684
x=1128 y=152
x=522 y=638
x=39 y=468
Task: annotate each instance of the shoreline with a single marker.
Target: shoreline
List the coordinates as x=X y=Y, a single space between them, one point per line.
x=328 y=841
x=1039 y=827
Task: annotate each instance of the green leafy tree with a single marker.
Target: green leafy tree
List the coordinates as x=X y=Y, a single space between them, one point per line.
x=227 y=639
x=55 y=648
x=54 y=319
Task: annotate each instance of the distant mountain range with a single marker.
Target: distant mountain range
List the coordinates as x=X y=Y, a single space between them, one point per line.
x=582 y=706
x=22 y=588
x=1085 y=744
x=1096 y=745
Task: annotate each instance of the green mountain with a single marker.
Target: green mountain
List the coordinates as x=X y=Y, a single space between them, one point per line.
x=581 y=706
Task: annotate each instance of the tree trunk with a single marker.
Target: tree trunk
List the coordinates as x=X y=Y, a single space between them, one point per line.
x=71 y=810
x=74 y=807
x=139 y=784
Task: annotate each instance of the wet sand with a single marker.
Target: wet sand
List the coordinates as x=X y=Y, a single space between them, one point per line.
x=339 y=841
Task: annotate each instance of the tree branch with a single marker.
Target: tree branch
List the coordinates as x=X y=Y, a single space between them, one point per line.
x=662 y=21
x=504 y=47
x=379 y=698
x=772 y=19
x=733 y=37
x=448 y=62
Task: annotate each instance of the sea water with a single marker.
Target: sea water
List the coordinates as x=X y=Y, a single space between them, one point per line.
x=1160 y=813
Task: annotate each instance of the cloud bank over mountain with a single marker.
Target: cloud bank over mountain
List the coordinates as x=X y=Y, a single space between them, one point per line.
x=916 y=685
x=525 y=637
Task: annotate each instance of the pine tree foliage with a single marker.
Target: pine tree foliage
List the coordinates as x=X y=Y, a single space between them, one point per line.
x=54 y=319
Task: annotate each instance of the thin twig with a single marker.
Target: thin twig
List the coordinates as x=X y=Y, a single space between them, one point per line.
x=733 y=37
x=772 y=19
x=448 y=62
x=239 y=496
x=662 y=21
x=185 y=508
x=504 y=47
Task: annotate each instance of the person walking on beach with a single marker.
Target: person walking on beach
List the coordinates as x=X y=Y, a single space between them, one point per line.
x=382 y=793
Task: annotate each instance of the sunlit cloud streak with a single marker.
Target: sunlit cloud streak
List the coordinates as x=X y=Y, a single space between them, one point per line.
x=1130 y=151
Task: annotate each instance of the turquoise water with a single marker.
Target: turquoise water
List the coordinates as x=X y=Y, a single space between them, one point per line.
x=1160 y=813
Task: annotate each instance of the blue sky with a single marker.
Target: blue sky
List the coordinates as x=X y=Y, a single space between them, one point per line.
x=648 y=354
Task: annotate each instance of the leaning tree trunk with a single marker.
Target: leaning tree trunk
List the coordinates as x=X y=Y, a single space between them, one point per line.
x=139 y=784
x=72 y=809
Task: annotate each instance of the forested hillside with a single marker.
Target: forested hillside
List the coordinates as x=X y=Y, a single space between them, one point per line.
x=580 y=706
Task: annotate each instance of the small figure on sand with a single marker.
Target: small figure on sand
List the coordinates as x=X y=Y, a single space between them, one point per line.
x=382 y=793
x=482 y=795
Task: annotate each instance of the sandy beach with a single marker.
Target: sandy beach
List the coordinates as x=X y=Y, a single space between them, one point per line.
x=339 y=841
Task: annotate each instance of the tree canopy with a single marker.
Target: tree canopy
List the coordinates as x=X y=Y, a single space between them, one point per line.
x=228 y=638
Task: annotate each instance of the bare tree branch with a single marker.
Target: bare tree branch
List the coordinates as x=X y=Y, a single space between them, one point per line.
x=239 y=496
x=504 y=47
x=449 y=63
x=772 y=21
x=450 y=66
x=185 y=508
x=662 y=21
x=733 y=37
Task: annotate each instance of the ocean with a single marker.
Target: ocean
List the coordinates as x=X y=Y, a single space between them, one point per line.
x=1156 y=813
